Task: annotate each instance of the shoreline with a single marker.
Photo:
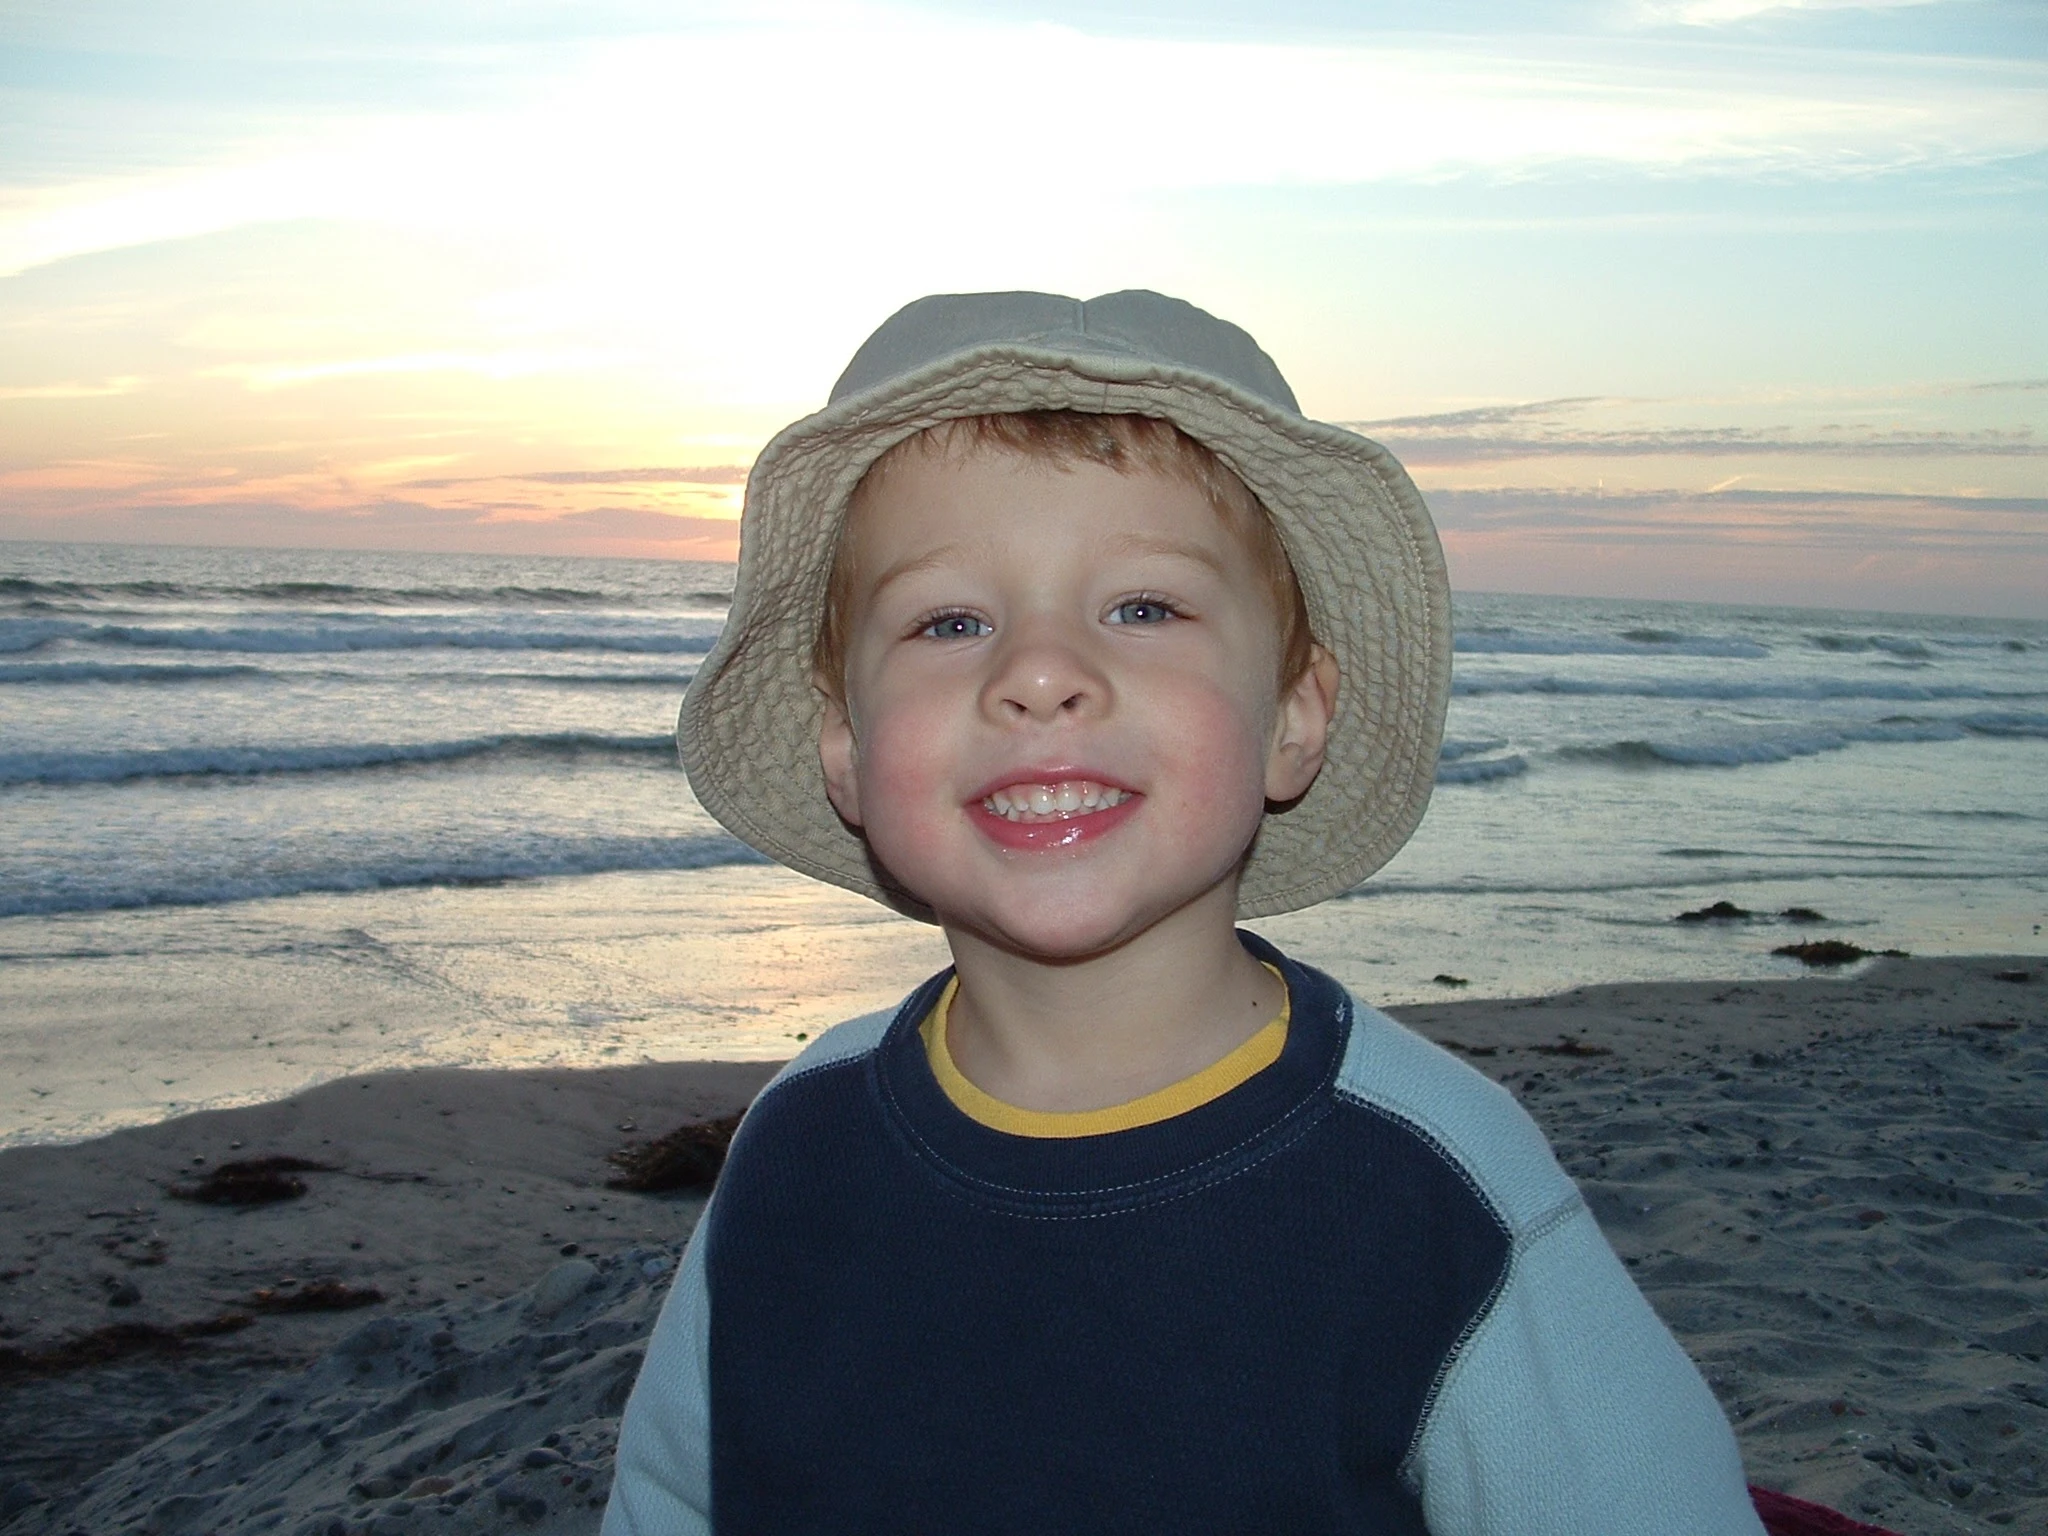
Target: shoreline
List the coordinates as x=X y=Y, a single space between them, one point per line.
x=1834 y=1189
x=128 y=1018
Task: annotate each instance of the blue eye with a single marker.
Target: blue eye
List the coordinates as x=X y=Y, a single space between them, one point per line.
x=1141 y=610
x=957 y=626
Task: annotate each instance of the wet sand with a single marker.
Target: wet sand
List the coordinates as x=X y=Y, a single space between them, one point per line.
x=1834 y=1189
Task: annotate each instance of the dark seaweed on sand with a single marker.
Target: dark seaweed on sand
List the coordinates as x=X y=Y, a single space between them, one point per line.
x=116 y=1341
x=321 y=1296
x=1833 y=952
x=256 y=1181
x=687 y=1158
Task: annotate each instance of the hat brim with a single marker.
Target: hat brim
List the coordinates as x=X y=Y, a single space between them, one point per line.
x=1355 y=529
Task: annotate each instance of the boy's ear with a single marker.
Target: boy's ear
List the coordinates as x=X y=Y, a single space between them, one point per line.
x=839 y=756
x=1302 y=728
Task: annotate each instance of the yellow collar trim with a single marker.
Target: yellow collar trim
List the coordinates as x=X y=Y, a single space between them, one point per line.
x=1212 y=1082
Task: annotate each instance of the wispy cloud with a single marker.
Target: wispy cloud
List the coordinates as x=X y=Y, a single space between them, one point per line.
x=491 y=365
x=602 y=126
x=1821 y=513
x=1714 y=13
x=1943 y=554
x=706 y=474
x=1557 y=429
x=1459 y=446
x=382 y=523
x=1476 y=416
x=73 y=390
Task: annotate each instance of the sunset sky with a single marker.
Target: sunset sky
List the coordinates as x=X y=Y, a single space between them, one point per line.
x=1713 y=299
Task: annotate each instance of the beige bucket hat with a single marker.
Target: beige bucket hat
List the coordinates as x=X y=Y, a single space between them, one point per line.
x=1354 y=526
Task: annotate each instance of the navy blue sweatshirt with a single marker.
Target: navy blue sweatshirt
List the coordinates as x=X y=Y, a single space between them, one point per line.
x=1352 y=1294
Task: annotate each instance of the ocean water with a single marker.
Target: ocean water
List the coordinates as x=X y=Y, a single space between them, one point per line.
x=194 y=726
x=209 y=757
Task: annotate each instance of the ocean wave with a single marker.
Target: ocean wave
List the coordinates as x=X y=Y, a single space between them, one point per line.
x=1629 y=642
x=2005 y=723
x=1772 y=869
x=25 y=636
x=1480 y=770
x=1894 y=645
x=187 y=762
x=119 y=672
x=1778 y=748
x=539 y=861
x=1883 y=689
x=153 y=673
x=1451 y=750
x=26 y=591
x=579 y=679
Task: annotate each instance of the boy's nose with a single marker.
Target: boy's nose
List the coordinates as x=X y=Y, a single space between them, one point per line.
x=1043 y=677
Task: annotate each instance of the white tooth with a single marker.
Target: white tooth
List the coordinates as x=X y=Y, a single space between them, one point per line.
x=1091 y=797
x=1042 y=800
x=1001 y=801
x=1069 y=798
x=1115 y=796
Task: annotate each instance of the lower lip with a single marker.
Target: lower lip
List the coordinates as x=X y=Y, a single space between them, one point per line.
x=1068 y=832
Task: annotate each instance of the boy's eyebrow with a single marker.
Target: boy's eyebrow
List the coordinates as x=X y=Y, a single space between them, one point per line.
x=930 y=560
x=1147 y=544
x=1121 y=544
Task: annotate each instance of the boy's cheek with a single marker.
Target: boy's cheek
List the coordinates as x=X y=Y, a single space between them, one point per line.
x=908 y=828
x=901 y=773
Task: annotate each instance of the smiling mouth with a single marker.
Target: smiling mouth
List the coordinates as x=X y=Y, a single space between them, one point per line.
x=1031 y=804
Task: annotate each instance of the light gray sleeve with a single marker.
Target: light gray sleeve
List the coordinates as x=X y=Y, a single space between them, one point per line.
x=661 y=1485
x=1572 y=1411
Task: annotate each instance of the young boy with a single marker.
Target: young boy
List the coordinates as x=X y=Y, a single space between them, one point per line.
x=1062 y=628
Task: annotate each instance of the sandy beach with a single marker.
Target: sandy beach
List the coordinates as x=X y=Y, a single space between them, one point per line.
x=1834 y=1189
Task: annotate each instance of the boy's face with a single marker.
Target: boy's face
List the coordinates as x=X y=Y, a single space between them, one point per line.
x=1060 y=721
